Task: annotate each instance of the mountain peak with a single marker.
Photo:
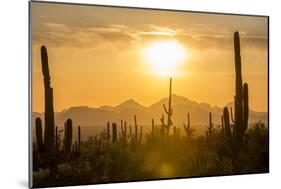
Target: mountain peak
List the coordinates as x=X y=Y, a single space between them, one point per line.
x=130 y=101
x=176 y=99
x=129 y=104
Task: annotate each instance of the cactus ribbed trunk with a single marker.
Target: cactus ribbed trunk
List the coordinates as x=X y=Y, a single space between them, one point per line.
x=238 y=115
x=49 y=109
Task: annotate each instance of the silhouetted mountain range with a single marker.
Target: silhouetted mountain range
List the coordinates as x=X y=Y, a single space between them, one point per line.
x=87 y=116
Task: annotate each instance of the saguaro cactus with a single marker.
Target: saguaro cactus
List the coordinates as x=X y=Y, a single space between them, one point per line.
x=188 y=130
x=137 y=136
x=241 y=103
x=210 y=129
x=114 y=132
x=49 y=109
x=123 y=134
x=241 y=107
x=68 y=136
x=47 y=148
x=168 y=111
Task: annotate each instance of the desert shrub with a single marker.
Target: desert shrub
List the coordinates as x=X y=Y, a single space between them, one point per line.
x=101 y=161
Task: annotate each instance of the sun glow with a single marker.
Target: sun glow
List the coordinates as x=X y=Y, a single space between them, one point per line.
x=165 y=57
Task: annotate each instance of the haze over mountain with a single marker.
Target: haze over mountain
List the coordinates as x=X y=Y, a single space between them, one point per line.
x=87 y=116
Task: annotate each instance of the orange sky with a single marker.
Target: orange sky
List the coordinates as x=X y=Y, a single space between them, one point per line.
x=95 y=55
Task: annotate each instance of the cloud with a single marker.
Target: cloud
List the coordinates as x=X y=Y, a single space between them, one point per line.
x=199 y=37
x=60 y=35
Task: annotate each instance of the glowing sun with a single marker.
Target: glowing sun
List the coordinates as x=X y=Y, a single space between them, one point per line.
x=165 y=57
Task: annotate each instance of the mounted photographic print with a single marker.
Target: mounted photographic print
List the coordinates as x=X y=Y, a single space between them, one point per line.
x=122 y=94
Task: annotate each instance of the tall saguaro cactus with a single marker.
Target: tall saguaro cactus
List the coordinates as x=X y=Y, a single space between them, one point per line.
x=47 y=148
x=241 y=103
x=241 y=107
x=49 y=109
x=168 y=111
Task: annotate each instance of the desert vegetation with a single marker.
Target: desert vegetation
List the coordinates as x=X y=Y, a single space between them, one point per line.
x=123 y=152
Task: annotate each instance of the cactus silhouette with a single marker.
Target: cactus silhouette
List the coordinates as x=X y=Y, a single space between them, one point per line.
x=137 y=136
x=227 y=129
x=114 y=132
x=39 y=136
x=166 y=126
x=49 y=109
x=123 y=134
x=47 y=148
x=210 y=129
x=241 y=96
x=241 y=103
x=68 y=136
x=188 y=130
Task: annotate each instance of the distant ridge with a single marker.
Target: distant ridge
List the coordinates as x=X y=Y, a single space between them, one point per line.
x=87 y=116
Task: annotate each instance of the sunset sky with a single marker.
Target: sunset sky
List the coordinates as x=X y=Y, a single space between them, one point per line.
x=104 y=56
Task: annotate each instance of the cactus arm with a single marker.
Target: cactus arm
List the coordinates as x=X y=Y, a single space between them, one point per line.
x=39 y=136
x=227 y=123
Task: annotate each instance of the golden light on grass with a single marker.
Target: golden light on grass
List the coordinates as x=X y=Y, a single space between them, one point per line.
x=165 y=57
